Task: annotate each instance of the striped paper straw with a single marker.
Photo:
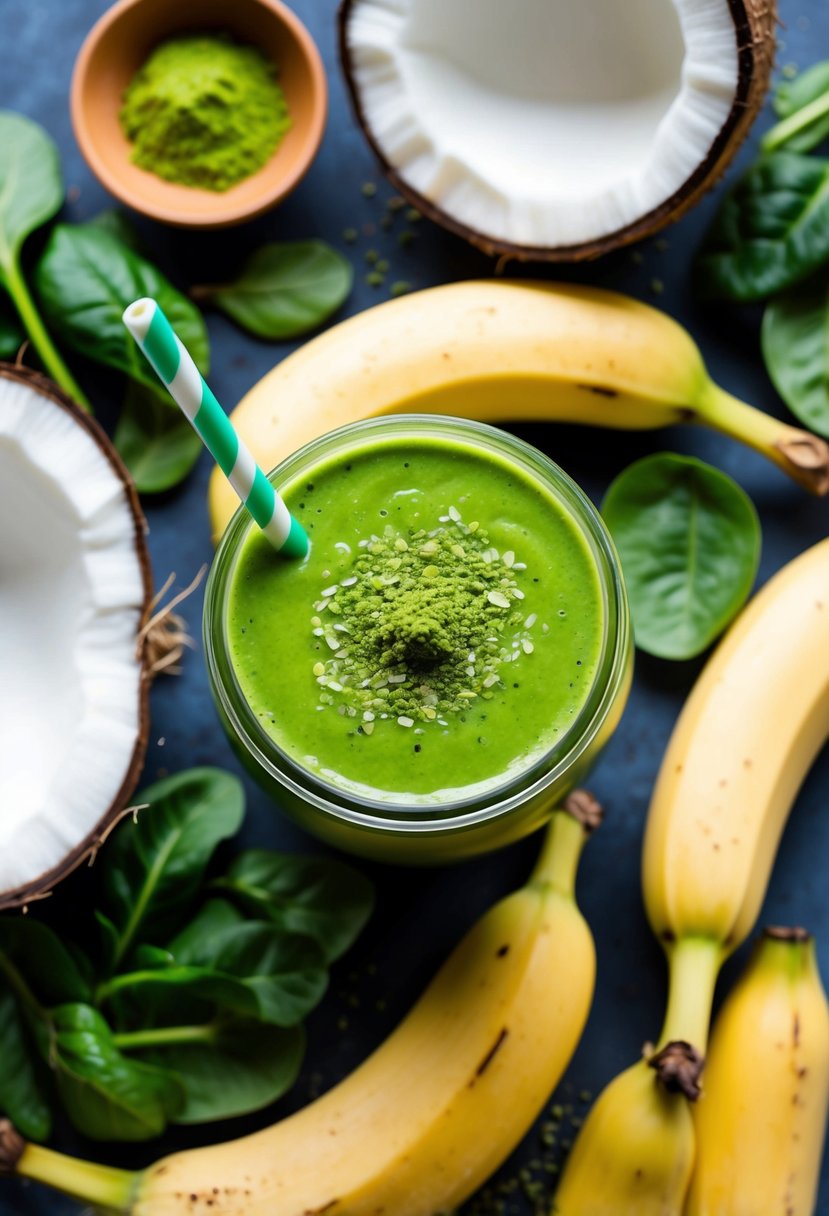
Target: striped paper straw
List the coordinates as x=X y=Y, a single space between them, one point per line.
x=176 y=370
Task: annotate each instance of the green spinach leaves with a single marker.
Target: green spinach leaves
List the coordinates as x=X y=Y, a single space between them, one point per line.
x=689 y=541
x=769 y=242
x=190 y=1007
x=87 y=276
x=31 y=193
x=284 y=289
x=771 y=231
x=803 y=105
x=795 y=339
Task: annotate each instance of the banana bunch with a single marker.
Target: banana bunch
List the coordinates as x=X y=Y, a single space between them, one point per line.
x=497 y=350
x=743 y=743
x=760 y=1125
x=427 y=1118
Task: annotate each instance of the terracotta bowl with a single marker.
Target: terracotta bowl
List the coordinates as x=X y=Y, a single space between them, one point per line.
x=118 y=45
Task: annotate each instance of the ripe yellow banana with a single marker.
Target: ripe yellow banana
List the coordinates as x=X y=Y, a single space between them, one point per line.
x=745 y=740
x=501 y=350
x=611 y=1172
x=425 y=1120
x=747 y=735
x=761 y=1120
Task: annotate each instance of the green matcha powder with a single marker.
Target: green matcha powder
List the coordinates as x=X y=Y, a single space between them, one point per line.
x=204 y=111
x=424 y=625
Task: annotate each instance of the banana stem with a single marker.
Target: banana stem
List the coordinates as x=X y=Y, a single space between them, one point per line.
x=557 y=865
x=800 y=455
x=693 y=963
x=100 y=1185
x=784 y=951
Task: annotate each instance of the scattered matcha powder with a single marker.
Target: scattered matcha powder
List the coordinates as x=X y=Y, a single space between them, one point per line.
x=423 y=625
x=204 y=111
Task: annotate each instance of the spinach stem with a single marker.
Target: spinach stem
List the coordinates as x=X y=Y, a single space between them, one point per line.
x=130 y=979
x=100 y=1185
x=165 y=1036
x=19 y=986
x=240 y=888
x=143 y=899
x=41 y=341
x=783 y=131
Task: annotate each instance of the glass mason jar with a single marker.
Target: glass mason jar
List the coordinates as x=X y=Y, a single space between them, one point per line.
x=505 y=810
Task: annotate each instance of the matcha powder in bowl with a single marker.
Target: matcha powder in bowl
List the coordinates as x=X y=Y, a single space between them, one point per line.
x=204 y=111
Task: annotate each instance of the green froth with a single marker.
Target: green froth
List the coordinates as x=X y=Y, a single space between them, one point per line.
x=204 y=111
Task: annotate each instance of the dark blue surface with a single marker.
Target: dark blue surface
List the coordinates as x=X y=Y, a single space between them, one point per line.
x=422 y=914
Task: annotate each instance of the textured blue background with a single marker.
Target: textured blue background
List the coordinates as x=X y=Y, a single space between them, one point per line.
x=421 y=914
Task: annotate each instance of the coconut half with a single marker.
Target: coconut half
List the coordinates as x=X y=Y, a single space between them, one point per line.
x=555 y=129
x=75 y=592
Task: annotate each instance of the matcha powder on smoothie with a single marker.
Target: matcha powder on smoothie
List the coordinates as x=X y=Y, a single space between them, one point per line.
x=204 y=111
x=422 y=626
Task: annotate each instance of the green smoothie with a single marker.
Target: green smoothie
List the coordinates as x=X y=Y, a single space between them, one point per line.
x=442 y=635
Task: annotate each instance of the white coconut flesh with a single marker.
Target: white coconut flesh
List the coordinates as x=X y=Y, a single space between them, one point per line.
x=544 y=122
x=72 y=593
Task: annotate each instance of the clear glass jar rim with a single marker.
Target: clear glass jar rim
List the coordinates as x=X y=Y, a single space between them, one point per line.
x=497 y=800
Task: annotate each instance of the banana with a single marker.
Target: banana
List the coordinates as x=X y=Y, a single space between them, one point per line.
x=425 y=1120
x=746 y=738
x=634 y=1155
x=497 y=350
x=762 y=1118
x=748 y=733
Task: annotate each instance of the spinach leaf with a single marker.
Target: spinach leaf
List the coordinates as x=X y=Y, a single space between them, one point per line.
x=251 y=968
x=48 y=966
x=108 y=938
x=150 y=958
x=86 y=277
x=106 y=1095
x=31 y=188
x=803 y=104
x=12 y=336
x=156 y=442
x=159 y=992
x=31 y=192
x=152 y=869
x=203 y=1026
x=195 y=940
x=22 y=1096
x=689 y=541
x=243 y=1067
x=284 y=289
x=795 y=339
x=321 y=897
x=119 y=224
x=284 y=973
x=771 y=230
x=168 y=989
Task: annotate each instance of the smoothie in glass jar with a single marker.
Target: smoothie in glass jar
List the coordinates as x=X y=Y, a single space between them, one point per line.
x=447 y=660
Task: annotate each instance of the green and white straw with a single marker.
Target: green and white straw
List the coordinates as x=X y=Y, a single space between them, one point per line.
x=176 y=370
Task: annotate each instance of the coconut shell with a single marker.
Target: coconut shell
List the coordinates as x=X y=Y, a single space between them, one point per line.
x=754 y=21
x=41 y=886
